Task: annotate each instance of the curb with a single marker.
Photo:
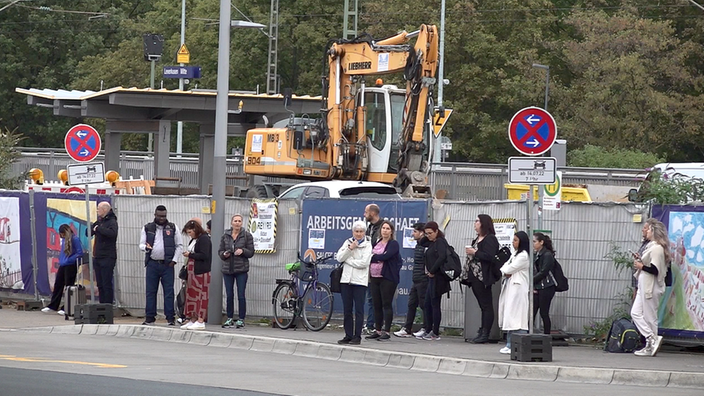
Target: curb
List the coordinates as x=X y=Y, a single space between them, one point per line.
x=399 y=360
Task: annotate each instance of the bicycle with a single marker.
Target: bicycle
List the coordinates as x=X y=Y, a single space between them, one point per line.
x=314 y=305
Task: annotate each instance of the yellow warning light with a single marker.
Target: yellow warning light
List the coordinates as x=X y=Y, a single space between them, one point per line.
x=36 y=175
x=63 y=176
x=112 y=176
x=379 y=82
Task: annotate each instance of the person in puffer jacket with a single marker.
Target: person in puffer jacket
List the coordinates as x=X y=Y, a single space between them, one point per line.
x=236 y=248
x=355 y=254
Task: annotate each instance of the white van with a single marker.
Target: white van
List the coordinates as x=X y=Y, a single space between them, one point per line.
x=672 y=170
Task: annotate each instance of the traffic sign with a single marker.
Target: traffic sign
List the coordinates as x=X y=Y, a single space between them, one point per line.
x=439 y=120
x=532 y=131
x=82 y=143
x=536 y=170
x=183 y=55
x=80 y=174
x=182 y=71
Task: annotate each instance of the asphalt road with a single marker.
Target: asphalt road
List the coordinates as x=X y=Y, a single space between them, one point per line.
x=57 y=364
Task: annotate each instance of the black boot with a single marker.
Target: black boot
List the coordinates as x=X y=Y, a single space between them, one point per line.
x=481 y=338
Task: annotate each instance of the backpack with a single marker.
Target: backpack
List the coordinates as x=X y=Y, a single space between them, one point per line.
x=562 y=284
x=623 y=337
x=452 y=267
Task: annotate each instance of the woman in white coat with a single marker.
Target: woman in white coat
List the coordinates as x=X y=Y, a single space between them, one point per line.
x=513 y=301
x=355 y=254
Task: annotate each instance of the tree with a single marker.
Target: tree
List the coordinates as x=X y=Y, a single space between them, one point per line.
x=600 y=157
x=9 y=141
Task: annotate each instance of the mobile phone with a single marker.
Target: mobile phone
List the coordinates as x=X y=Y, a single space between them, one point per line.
x=632 y=253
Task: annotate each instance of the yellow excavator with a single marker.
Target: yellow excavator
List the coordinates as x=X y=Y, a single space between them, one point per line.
x=380 y=133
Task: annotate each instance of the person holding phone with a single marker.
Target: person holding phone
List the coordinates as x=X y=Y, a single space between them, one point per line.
x=236 y=248
x=637 y=255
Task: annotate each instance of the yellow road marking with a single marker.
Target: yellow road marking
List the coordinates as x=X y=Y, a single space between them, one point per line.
x=42 y=360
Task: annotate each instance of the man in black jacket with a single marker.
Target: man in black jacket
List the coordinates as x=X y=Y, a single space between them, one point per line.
x=416 y=297
x=105 y=251
x=374 y=220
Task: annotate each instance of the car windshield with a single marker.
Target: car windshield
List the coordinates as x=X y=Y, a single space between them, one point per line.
x=369 y=192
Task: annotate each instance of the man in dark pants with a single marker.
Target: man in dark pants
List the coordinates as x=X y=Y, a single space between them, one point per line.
x=374 y=220
x=416 y=297
x=105 y=251
x=161 y=241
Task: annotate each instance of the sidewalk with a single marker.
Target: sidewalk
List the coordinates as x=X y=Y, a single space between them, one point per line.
x=450 y=355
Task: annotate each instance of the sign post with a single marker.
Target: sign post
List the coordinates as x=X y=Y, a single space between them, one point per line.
x=83 y=145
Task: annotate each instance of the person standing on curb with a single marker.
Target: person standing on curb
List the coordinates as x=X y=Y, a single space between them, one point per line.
x=198 y=255
x=416 y=297
x=71 y=251
x=373 y=218
x=236 y=248
x=483 y=272
x=543 y=281
x=384 y=271
x=514 y=302
x=105 y=251
x=162 y=244
x=438 y=284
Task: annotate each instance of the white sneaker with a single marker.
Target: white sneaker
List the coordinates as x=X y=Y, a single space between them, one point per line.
x=61 y=312
x=505 y=351
x=648 y=349
x=46 y=309
x=656 y=345
x=186 y=325
x=197 y=326
x=419 y=333
x=402 y=333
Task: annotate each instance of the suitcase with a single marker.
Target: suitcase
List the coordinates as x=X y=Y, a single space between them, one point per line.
x=75 y=294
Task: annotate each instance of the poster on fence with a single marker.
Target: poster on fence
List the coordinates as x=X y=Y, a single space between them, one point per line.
x=682 y=305
x=262 y=224
x=336 y=216
x=10 y=263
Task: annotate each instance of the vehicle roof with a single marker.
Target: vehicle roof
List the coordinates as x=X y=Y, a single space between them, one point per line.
x=343 y=184
x=693 y=169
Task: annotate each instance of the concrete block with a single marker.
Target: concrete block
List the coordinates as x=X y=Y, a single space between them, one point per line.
x=353 y=355
x=142 y=332
x=46 y=329
x=307 y=349
x=161 y=334
x=262 y=344
x=376 y=358
x=125 y=331
x=112 y=329
x=451 y=366
x=426 y=363
x=181 y=336
x=330 y=352
x=686 y=380
x=533 y=372
x=241 y=342
x=585 y=375
x=200 y=337
x=101 y=329
x=220 y=340
x=500 y=370
x=72 y=329
x=285 y=347
x=89 y=329
x=473 y=368
x=640 y=378
x=401 y=360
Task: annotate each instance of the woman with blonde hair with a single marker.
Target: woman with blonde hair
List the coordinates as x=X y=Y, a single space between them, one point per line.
x=651 y=269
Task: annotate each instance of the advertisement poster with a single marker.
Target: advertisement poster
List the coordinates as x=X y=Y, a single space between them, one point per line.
x=73 y=213
x=10 y=263
x=336 y=217
x=505 y=229
x=682 y=305
x=262 y=224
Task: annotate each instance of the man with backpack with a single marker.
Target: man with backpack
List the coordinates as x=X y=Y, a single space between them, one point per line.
x=416 y=297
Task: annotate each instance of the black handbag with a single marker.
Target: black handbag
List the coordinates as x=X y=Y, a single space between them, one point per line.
x=183 y=273
x=335 y=277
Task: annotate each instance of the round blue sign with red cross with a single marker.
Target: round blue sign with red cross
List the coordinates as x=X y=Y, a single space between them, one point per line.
x=532 y=131
x=82 y=143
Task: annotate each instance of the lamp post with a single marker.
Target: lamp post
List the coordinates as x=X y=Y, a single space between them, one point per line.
x=547 y=82
x=219 y=154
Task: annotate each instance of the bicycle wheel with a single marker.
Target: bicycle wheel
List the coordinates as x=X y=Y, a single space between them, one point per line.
x=317 y=307
x=284 y=300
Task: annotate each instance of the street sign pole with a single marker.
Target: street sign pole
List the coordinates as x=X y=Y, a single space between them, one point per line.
x=529 y=231
x=90 y=251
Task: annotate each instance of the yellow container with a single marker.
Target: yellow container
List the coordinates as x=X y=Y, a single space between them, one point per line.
x=520 y=191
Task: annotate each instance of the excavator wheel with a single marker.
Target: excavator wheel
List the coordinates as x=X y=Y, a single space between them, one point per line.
x=257 y=191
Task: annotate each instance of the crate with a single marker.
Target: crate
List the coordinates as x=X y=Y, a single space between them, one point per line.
x=29 y=305
x=93 y=314
x=531 y=347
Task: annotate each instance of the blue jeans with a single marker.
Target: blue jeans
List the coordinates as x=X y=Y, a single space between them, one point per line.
x=104 y=269
x=508 y=336
x=159 y=271
x=241 y=280
x=370 y=309
x=353 y=301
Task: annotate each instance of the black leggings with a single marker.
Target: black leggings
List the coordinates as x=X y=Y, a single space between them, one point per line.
x=486 y=304
x=383 y=291
x=542 y=300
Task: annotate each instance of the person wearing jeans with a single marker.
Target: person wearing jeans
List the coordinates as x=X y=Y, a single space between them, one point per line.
x=236 y=248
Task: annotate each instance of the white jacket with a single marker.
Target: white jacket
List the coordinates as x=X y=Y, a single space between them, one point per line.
x=355 y=262
x=513 y=302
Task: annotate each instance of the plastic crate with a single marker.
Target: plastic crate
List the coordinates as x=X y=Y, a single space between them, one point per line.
x=531 y=347
x=93 y=314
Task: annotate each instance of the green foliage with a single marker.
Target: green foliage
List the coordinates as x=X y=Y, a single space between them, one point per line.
x=670 y=188
x=9 y=141
x=601 y=157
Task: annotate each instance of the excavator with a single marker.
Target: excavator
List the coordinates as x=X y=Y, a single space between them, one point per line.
x=371 y=133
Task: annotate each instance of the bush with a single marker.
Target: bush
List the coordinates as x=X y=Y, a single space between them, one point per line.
x=9 y=140
x=599 y=157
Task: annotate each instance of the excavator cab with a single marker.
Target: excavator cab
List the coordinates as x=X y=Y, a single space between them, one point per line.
x=384 y=124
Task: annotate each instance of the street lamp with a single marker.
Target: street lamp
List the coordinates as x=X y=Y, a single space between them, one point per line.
x=547 y=82
x=220 y=153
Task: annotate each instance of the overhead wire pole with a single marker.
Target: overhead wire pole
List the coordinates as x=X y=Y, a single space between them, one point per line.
x=179 y=125
x=541 y=192
x=437 y=152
